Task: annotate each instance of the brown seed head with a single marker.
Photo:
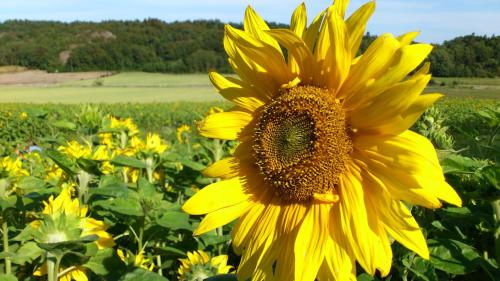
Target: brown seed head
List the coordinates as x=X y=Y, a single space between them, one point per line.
x=301 y=143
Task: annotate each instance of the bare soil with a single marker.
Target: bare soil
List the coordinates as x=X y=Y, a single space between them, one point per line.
x=38 y=77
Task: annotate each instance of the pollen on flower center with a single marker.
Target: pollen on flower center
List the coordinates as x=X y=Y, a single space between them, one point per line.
x=301 y=143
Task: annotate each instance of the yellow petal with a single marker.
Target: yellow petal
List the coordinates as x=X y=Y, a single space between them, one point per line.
x=408 y=38
x=400 y=224
x=339 y=263
x=340 y=7
x=216 y=196
x=389 y=104
x=311 y=34
x=243 y=228
x=409 y=167
x=356 y=25
x=248 y=70
x=256 y=26
x=225 y=125
x=237 y=91
x=298 y=52
x=221 y=217
x=372 y=64
x=257 y=249
x=402 y=122
x=422 y=70
x=405 y=60
x=225 y=168
x=299 y=20
x=310 y=242
x=396 y=218
x=262 y=57
x=366 y=242
x=333 y=54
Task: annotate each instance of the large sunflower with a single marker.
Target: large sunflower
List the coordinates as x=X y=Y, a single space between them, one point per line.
x=325 y=159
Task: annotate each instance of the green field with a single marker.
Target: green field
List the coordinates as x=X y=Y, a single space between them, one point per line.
x=123 y=87
x=139 y=87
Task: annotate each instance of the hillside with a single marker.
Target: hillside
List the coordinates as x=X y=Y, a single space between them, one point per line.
x=182 y=47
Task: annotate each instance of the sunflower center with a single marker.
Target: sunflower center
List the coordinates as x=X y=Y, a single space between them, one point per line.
x=301 y=143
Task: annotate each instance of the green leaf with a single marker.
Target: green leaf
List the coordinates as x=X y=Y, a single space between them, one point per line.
x=175 y=220
x=61 y=248
x=122 y=160
x=365 y=277
x=7 y=277
x=62 y=161
x=452 y=256
x=64 y=124
x=455 y=163
x=223 y=277
x=104 y=262
x=193 y=165
x=140 y=274
x=30 y=184
x=27 y=253
x=112 y=190
x=492 y=175
x=89 y=165
x=125 y=206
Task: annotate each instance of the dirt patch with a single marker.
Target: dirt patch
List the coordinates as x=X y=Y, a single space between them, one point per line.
x=38 y=77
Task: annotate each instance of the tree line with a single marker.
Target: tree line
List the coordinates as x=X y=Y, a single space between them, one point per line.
x=183 y=47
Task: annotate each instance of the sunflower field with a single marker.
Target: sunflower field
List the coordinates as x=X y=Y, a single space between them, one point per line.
x=94 y=192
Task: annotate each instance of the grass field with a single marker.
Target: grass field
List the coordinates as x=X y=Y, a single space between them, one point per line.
x=139 y=87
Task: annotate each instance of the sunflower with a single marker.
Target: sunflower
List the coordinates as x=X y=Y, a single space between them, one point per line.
x=66 y=220
x=325 y=164
x=198 y=266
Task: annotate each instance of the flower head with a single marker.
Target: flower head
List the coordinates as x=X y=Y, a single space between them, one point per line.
x=325 y=159
x=183 y=133
x=198 y=266
x=64 y=219
x=138 y=260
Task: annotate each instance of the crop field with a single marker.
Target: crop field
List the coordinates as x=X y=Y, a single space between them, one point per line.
x=140 y=87
x=93 y=174
x=124 y=87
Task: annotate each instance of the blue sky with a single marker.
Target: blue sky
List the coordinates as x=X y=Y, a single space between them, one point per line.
x=438 y=20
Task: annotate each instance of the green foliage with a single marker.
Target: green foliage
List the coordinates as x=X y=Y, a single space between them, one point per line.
x=153 y=45
x=138 y=191
x=467 y=56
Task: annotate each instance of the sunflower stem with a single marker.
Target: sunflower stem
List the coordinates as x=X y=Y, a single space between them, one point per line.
x=53 y=262
x=5 y=236
x=496 y=208
x=62 y=273
x=158 y=262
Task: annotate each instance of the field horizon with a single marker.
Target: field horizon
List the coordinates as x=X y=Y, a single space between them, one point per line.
x=40 y=87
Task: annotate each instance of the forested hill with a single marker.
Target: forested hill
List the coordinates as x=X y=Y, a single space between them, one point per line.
x=180 y=47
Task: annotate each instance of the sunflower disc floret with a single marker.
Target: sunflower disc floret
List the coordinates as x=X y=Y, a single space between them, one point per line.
x=301 y=143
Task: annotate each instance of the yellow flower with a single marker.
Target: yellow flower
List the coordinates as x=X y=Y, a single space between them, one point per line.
x=124 y=124
x=106 y=139
x=78 y=273
x=53 y=173
x=76 y=150
x=153 y=144
x=139 y=260
x=102 y=153
x=183 y=133
x=64 y=205
x=23 y=115
x=199 y=266
x=325 y=158
x=14 y=167
x=66 y=215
